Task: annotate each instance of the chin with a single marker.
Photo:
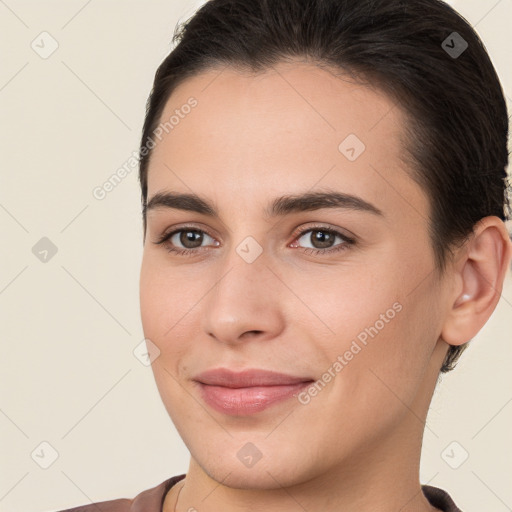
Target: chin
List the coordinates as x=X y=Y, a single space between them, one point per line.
x=275 y=468
x=256 y=478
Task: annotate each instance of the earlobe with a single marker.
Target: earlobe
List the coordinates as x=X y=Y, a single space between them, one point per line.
x=481 y=271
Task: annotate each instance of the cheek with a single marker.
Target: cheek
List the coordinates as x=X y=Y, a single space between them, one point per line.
x=152 y=297
x=345 y=300
x=170 y=303
x=368 y=317
x=161 y=307
x=390 y=368
x=165 y=298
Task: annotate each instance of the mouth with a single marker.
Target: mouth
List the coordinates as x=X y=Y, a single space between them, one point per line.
x=247 y=392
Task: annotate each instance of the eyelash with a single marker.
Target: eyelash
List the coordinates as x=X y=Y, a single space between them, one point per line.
x=347 y=242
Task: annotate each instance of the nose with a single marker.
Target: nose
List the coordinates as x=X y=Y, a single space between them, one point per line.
x=244 y=303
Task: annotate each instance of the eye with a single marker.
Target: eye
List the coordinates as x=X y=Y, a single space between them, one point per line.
x=189 y=240
x=185 y=240
x=322 y=240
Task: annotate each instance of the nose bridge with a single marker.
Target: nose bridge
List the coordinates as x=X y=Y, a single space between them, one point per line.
x=244 y=297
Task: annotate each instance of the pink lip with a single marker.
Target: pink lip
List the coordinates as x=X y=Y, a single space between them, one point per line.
x=249 y=391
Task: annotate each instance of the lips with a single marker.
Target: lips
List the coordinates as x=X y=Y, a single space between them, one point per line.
x=247 y=378
x=249 y=391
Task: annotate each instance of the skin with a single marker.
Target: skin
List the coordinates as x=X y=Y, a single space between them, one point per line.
x=356 y=445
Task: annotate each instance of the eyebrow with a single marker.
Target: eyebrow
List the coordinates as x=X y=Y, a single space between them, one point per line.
x=280 y=206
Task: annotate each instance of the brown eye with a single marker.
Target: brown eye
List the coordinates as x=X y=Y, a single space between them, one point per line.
x=186 y=240
x=322 y=241
x=322 y=238
x=190 y=239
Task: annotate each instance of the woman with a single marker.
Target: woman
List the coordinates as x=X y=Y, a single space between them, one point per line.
x=324 y=196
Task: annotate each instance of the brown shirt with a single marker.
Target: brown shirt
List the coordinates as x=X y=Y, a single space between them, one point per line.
x=152 y=500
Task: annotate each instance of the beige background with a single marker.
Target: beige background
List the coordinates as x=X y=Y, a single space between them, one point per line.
x=70 y=325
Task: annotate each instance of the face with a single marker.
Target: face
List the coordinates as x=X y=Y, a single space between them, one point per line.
x=337 y=290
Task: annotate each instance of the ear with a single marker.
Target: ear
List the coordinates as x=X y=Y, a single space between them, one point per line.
x=480 y=270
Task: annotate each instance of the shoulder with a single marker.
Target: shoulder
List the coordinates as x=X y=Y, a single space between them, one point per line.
x=150 y=500
x=440 y=499
x=120 y=505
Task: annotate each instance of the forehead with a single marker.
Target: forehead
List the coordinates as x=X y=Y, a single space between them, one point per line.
x=283 y=130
